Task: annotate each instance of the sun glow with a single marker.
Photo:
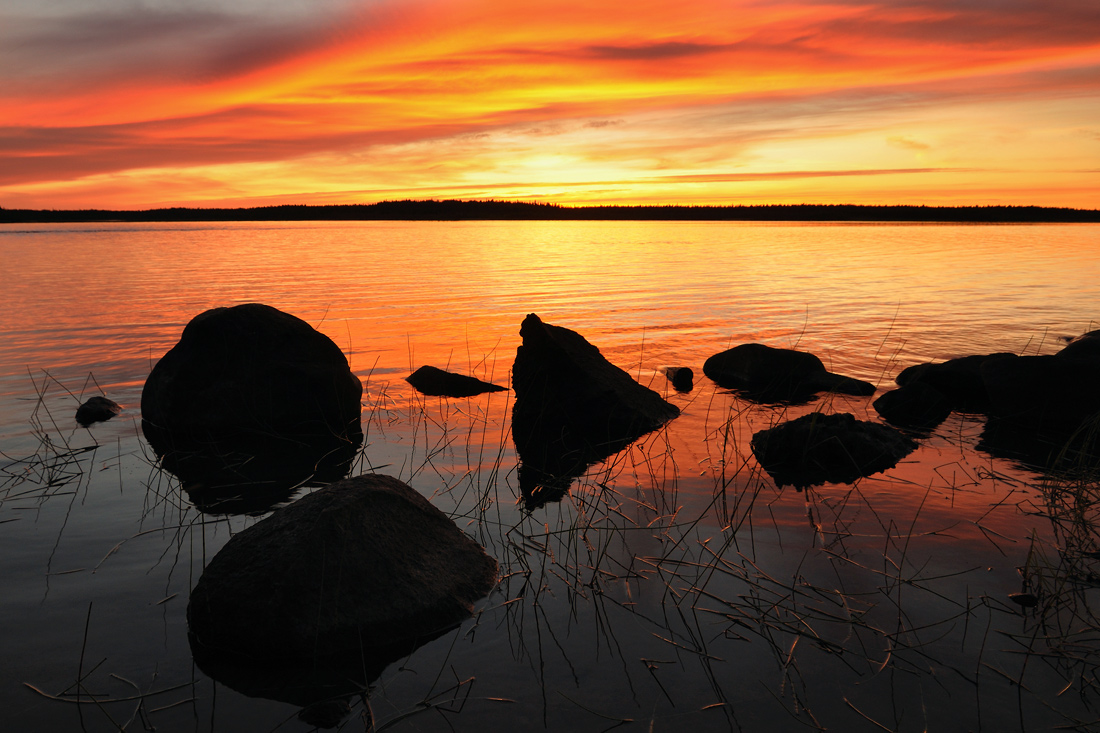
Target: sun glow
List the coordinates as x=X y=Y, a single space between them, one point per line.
x=554 y=100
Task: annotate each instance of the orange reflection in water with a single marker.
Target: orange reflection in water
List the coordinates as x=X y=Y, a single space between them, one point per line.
x=684 y=519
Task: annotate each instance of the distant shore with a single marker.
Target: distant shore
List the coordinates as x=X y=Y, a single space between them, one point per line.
x=520 y=211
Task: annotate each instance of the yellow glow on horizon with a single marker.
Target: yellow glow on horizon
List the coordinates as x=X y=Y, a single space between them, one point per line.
x=580 y=102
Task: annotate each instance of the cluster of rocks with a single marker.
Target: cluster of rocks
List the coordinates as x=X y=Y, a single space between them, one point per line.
x=253 y=403
x=252 y=381
x=1043 y=410
x=248 y=407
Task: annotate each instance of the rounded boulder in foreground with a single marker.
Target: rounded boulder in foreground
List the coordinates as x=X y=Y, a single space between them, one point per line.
x=361 y=565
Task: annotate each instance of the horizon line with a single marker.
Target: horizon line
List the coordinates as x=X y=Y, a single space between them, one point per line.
x=496 y=209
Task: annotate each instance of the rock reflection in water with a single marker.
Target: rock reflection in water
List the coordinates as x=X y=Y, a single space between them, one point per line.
x=1055 y=453
x=572 y=409
x=249 y=475
x=547 y=470
x=325 y=693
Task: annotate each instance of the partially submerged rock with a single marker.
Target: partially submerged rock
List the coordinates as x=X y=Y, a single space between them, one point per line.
x=573 y=407
x=916 y=406
x=1085 y=345
x=1045 y=410
x=96 y=409
x=819 y=448
x=770 y=375
x=959 y=380
x=249 y=396
x=432 y=381
x=364 y=565
x=682 y=378
x=1051 y=393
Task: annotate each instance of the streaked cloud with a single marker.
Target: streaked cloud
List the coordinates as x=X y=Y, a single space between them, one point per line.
x=114 y=103
x=906 y=143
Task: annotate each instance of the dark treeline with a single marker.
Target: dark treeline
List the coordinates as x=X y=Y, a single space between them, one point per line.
x=452 y=210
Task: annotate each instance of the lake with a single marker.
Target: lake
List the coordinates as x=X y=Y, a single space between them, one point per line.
x=674 y=586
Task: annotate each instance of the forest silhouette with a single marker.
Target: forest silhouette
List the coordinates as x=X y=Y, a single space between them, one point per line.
x=454 y=210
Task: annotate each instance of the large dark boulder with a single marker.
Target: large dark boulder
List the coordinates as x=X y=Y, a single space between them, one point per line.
x=770 y=375
x=819 y=448
x=916 y=406
x=1045 y=410
x=959 y=380
x=436 y=382
x=573 y=407
x=1048 y=392
x=357 y=568
x=96 y=409
x=252 y=396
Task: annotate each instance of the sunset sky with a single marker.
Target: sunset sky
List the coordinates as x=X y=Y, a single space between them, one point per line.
x=133 y=104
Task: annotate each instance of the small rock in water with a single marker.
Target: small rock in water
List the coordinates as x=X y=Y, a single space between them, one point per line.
x=436 y=382
x=770 y=375
x=1026 y=600
x=917 y=406
x=682 y=378
x=97 y=409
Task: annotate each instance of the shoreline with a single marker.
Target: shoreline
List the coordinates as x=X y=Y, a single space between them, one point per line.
x=451 y=210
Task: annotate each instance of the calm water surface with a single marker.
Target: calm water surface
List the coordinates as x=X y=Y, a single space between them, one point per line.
x=675 y=586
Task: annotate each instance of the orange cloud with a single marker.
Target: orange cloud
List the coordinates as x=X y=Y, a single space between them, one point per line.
x=560 y=99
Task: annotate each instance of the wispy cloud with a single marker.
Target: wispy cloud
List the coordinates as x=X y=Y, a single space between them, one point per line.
x=907 y=143
x=571 y=96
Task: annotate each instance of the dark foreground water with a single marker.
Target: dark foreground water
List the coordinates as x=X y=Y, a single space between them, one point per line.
x=675 y=587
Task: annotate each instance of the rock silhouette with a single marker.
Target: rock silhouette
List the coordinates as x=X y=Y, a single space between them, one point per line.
x=819 y=448
x=96 y=409
x=1085 y=345
x=432 y=381
x=959 y=380
x=770 y=375
x=1045 y=410
x=916 y=406
x=682 y=378
x=252 y=398
x=358 y=567
x=572 y=409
